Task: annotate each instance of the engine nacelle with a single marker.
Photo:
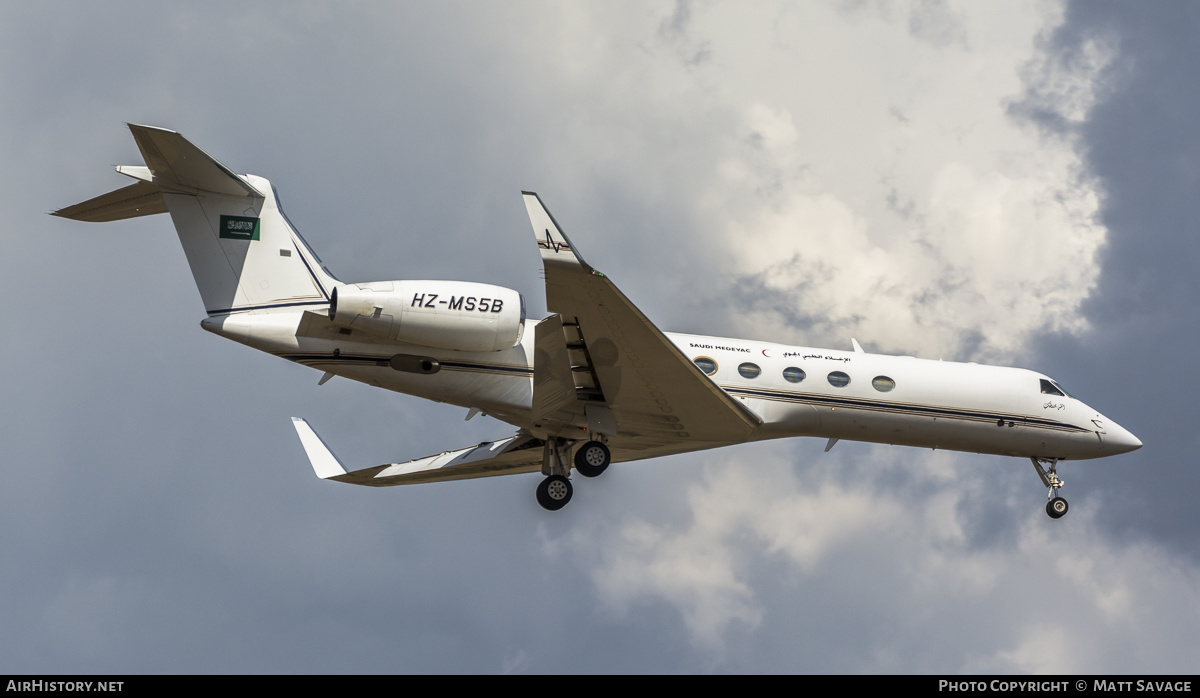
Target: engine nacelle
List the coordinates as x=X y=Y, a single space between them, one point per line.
x=458 y=315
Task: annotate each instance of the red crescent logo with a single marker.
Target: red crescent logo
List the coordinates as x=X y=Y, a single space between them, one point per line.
x=764 y=351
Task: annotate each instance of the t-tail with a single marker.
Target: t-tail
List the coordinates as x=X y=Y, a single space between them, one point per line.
x=244 y=253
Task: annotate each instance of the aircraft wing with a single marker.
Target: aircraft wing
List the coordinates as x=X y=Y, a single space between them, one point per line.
x=656 y=394
x=516 y=454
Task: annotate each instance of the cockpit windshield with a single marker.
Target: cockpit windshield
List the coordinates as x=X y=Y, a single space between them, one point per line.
x=1050 y=387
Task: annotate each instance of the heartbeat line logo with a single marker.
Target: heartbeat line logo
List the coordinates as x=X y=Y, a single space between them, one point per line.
x=550 y=244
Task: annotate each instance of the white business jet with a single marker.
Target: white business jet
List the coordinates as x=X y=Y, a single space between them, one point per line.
x=594 y=383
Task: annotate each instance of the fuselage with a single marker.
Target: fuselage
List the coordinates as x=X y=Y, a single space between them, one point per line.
x=796 y=391
x=596 y=382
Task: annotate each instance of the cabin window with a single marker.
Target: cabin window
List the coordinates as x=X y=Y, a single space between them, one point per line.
x=883 y=384
x=1048 y=388
x=791 y=374
x=705 y=364
x=838 y=379
x=749 y=370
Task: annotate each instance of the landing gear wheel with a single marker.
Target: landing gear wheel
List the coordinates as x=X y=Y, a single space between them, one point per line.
x=1056 y=508
x=554 y=492
x=592 y=458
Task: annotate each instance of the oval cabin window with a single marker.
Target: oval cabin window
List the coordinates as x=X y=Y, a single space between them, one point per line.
x=791 y=374
x=705 y=364
x=883 y=384
x=838 y=379
x=749 y=370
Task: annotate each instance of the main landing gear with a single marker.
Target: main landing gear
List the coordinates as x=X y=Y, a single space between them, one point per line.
x=554 y=492
x=1057 y=506
x=591 y=459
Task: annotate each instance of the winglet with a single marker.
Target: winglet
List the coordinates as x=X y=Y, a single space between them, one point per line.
x=552 y=242
x=323 y=461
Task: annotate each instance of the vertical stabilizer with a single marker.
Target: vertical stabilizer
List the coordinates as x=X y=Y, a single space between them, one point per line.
x=243 y=252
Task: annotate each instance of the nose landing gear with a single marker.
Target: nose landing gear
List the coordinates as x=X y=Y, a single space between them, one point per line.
x=1057 y=506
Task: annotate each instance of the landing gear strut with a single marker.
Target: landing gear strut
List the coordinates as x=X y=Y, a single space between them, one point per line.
x=1057 y=506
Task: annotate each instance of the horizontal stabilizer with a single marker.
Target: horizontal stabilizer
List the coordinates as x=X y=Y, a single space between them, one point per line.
x=140 y=199
x=516 y=454
x=174 y=164
x=177 y=162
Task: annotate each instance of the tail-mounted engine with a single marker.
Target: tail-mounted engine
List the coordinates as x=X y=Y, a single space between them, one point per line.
x=456 y=315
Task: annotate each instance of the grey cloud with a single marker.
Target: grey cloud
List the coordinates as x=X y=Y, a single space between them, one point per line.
x=1140 y=141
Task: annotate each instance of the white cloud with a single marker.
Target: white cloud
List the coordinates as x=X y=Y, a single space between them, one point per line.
x=857 y=166
x=907 y=206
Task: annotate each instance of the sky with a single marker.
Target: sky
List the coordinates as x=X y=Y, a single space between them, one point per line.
x=1004 y=183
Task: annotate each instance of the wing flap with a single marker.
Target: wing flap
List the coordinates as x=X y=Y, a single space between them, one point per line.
x=553 y=385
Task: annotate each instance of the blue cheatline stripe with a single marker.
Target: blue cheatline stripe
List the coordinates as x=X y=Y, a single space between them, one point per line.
x=361 y=359
x=502 y=368
x=900 y=408
x=244 y=308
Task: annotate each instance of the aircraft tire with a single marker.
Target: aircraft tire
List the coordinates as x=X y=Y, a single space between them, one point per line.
x=554 y=492
x=592 y=459
x=1057 y=508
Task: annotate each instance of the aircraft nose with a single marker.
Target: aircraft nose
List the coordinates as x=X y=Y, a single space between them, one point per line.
x=1118 y=439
